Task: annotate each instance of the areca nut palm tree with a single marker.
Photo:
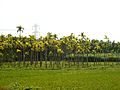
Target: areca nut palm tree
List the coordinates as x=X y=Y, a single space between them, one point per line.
x=20 y=29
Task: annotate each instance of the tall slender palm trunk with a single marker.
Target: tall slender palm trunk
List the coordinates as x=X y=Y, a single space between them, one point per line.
x=46 y=57
x=31 y=57
x=40 y=59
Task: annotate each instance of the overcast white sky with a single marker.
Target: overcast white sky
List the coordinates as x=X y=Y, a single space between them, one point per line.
x=94 y=17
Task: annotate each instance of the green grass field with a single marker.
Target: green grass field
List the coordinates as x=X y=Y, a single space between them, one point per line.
x=84 y=79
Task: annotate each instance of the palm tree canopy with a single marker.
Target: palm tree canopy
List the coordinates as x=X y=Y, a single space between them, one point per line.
x=20 y=28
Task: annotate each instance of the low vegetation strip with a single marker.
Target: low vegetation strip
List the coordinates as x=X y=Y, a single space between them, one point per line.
x=84 y=79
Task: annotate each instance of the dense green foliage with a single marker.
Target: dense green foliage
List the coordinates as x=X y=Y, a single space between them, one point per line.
x=19 y=79
x=53 y=49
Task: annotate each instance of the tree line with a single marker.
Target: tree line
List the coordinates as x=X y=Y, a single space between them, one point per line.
x=78 y=50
